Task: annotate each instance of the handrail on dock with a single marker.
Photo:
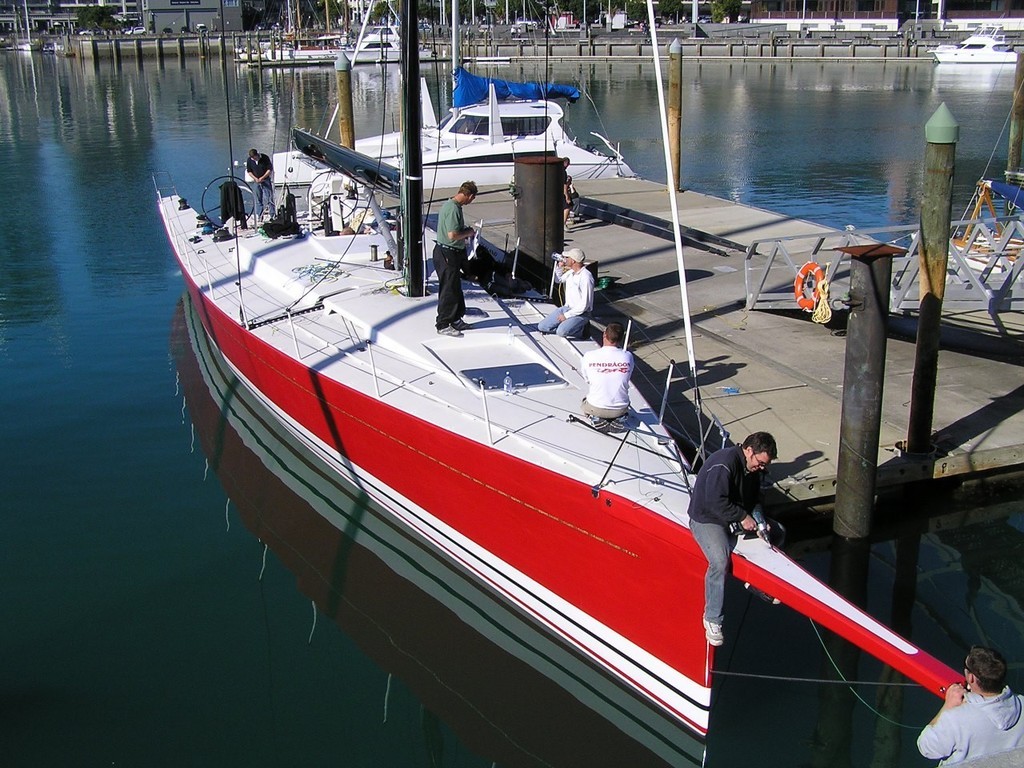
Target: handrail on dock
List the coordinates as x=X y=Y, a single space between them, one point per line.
x=982 y=270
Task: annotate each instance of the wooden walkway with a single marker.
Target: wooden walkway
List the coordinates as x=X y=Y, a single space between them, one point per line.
x=777 y=370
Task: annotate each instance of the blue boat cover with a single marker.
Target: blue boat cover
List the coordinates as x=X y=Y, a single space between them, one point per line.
x=1011 y=192
x=472 y=89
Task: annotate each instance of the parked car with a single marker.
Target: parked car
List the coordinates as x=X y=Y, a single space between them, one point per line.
x=137 y=31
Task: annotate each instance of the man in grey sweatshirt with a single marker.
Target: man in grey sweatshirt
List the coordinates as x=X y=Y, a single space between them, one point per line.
x=981 y=716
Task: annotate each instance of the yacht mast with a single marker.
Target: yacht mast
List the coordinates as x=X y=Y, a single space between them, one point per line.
x=412 y=160
x=456 y=51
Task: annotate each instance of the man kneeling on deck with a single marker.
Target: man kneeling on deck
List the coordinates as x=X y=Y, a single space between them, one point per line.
x=607 y=370
x=727 y=491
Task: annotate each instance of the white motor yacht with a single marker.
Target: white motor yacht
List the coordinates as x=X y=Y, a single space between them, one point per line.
x=381 y=45
x=986 y=46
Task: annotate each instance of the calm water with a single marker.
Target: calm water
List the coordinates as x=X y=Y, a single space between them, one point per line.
x=143 y=623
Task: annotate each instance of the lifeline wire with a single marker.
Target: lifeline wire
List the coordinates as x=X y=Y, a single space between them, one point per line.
x=816 y=680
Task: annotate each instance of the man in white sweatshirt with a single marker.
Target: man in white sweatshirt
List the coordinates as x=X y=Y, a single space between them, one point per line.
x=572 y=319
x=981 y=716
x=607 y=370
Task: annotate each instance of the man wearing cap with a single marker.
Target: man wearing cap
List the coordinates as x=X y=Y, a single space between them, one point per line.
x=572 y=318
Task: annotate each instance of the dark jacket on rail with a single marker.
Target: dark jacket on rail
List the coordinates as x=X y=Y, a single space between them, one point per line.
x=232 y=206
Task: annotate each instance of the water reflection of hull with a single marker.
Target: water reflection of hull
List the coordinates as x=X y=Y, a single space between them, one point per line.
x=510 y=690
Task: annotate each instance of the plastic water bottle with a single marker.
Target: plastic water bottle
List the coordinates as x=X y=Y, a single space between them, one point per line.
x=507 y=383
x=510 y=336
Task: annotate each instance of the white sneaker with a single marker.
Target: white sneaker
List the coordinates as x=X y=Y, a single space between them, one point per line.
x=450 y=330
x=713 y=632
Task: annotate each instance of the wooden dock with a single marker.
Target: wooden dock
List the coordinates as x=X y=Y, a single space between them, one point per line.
x=777 y=370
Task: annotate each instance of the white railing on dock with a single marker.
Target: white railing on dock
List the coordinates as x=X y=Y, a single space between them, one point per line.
x=981 y=274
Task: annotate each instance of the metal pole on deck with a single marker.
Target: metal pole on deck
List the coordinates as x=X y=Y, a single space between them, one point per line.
x=675 y=107
x=860 y=423
x=1016 y=118
x=346 y=125
x=941 y=133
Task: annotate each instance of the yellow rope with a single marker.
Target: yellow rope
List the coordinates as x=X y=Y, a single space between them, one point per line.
x=822 y=309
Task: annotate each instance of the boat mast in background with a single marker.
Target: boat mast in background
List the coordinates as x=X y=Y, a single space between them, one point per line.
x=412 y=160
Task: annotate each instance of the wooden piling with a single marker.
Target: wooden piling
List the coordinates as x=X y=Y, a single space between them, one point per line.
x=941 y=133
x=675 y=107
x=863 y=375
x=1016 y=118
x=346 y=124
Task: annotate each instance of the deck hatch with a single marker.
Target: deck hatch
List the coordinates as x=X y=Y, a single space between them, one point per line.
x=523 y=375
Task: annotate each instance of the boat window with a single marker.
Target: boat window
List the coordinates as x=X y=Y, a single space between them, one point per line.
x=524 y=126
x=471 y=125
x=524 y=375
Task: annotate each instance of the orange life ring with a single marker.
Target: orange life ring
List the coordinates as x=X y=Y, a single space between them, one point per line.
x=812 y=270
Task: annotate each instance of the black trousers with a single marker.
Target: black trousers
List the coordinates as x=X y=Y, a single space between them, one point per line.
x=451 y=304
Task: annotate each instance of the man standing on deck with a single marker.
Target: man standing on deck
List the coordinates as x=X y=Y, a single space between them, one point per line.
x=727 y=491
x=261 y=170
x=449 y=258
x=981 y=716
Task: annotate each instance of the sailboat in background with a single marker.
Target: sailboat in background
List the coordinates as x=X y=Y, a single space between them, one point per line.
x=27 y=44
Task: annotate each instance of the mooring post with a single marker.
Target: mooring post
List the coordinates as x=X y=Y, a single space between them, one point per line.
x=860 y=423
x=675 y=107
x=346 y=125
x=1016 y=119
x=941 y=132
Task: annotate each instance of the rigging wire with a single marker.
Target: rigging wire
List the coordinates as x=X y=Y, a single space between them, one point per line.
x=819 y=681
x=851 y=683
x=231 y=165
x=674 y=202
x=1018 y=88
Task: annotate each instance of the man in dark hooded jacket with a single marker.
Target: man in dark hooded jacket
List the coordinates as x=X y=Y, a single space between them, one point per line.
x=727 y=489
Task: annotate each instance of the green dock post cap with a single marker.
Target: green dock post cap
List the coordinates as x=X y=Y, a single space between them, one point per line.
x=942 y=127
x=342 y=64
x=675 y=47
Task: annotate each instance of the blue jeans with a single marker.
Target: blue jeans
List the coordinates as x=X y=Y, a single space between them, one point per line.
x=716 y=543
x=572 y=326
x=264 y=191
